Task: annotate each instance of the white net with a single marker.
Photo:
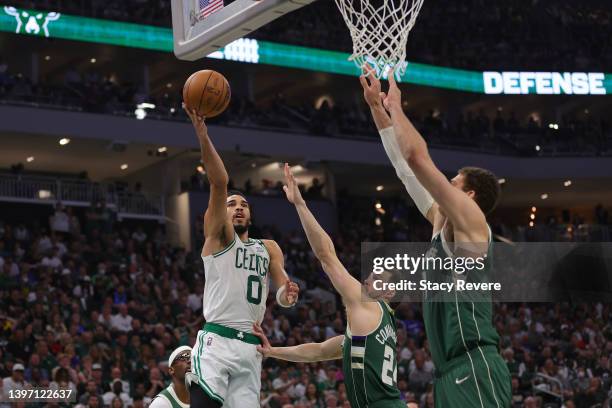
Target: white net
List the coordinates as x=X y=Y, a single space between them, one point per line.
x=379 y=29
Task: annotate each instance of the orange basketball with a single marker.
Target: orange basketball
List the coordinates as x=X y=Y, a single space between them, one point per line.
x=208 y=92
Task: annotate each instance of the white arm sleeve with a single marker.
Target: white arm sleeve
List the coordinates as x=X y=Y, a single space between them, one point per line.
x=419 y=195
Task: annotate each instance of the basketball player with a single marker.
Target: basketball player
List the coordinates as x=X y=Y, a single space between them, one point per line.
x=469 y=369
x=368 y=349
x=226 y=365
x=176 y=395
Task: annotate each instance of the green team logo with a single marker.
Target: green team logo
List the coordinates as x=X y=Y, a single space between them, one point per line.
x=36 y=23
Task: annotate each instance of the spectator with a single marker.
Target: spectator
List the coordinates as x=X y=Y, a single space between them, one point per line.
x=122 y=321
x=60 y=221
x=420 y=375
x=316 y=189
x=15 y=381
x=115 y=394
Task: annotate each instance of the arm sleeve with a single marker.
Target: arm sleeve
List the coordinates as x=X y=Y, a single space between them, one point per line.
x=417 y=192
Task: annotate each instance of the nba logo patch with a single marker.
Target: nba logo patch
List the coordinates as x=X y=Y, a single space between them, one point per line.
x=209 y=341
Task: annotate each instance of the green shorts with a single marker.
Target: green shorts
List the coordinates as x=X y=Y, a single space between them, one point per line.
x=478 y=379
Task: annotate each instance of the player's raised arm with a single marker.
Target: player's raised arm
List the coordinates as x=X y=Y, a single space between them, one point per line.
x=374 y=96
x=330 y=349
x=218 y=229
x=468 y=220
x=322 y=245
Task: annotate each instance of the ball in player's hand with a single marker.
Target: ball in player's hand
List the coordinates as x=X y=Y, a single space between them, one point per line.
x=207 y=92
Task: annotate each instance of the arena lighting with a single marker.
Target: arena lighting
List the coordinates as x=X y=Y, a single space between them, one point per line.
x=169 y=85
x=533 y=209
x=253 y=165
x=532 y=216
x=531 y=224
x=200 y=169
x=93 y=60
x=553 y=126
x=567 y=183
x=140 y=111
x=537 y=148
x=64 y=141
x=44 y=194
x=124 y=166
x=162 y=149
x=377 y=221
x=378 y=206
x=501 y=181
x=47 y=57
x=172 y=110
x=253 y=51
x=380 y=188
x=544 y=196
x=30 y=159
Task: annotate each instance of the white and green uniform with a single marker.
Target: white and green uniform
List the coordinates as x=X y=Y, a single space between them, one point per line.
x=167 y=399
x=225 y=359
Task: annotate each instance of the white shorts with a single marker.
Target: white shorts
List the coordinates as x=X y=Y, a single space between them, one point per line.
x=228 y=370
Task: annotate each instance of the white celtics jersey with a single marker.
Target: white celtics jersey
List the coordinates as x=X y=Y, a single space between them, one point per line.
x=236 y=286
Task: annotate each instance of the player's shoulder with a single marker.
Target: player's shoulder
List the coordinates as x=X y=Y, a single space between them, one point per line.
x=271 y=245
x=160 y=401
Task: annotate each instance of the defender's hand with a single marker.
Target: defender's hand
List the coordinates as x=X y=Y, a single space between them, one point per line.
x=265 y=348
x=291 y=188
x=372 y=91
x=394 y=96
x=292 y=291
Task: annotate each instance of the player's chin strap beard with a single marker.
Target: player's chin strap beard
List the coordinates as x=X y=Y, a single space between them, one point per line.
x=241 y=229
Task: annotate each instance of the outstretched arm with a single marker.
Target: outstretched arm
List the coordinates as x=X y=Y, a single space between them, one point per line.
x=467 y=218
x=286 y=291
x=218 y=230
x=322 y=245
x=374 y=96
x=330 y=349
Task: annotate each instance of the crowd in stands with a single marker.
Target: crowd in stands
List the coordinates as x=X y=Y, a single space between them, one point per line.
x=264 y=187
x=96 y=306
x=503 y=132
x=476 y=34
x=516 y=34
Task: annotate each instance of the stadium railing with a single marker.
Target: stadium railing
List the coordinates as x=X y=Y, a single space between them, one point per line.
x=80 y=193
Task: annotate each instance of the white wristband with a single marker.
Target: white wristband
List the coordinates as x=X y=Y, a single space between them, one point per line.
x=279 y=295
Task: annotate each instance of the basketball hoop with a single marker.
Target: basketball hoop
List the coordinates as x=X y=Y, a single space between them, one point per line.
x=380 y=33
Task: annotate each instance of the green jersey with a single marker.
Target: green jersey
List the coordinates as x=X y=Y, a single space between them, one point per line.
x=167 y=398
x=370 y=365
x=457 y=324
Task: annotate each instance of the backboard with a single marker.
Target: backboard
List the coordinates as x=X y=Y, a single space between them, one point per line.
x=196 y=36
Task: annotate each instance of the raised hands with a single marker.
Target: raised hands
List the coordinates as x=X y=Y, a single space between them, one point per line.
x=291 y=188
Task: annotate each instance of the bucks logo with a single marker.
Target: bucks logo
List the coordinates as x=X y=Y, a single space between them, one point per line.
x=34 y=24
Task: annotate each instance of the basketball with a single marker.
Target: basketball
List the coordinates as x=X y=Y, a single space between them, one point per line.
x=208 y=92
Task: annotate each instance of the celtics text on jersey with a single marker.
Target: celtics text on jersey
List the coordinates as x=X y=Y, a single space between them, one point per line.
x=237 y=284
